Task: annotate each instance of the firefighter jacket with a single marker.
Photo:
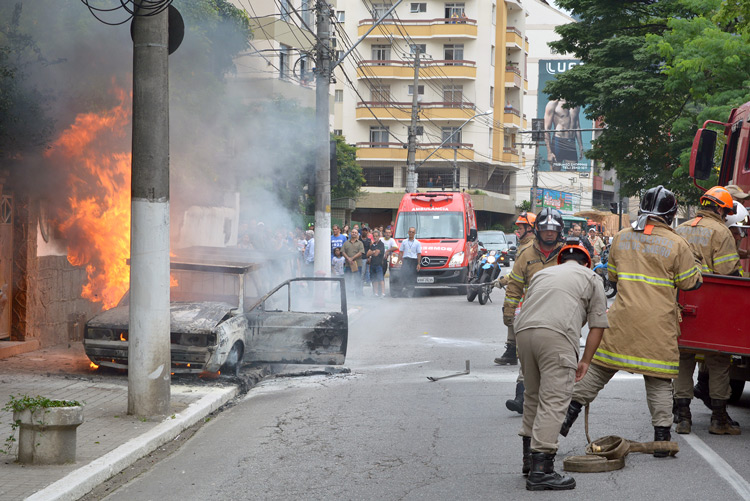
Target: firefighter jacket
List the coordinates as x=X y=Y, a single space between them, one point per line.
x=526 y=240
x=710 y=238
x=529 y=260
x=649 y=267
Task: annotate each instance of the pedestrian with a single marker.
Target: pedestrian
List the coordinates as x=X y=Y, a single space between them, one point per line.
x=390 y=246
x=559 y=301
x=337 y=263
x=577 y=232
x=337 y=239
x=376 y=255
x=345 y=231
x=648 y=262
x=366 y=242
x=710 y=238
x=525 y=235
x=353 y=250
x=310 y=253
x=409 y=258
x=534 y=257
x=439 y=183
x=597 y=243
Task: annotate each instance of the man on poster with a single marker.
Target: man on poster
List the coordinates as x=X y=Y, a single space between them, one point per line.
x=562 y=139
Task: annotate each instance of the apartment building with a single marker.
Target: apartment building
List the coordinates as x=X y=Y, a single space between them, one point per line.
x=470 y=91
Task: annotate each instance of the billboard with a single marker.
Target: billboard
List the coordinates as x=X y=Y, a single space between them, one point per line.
x=559 y=200
x=563 y=148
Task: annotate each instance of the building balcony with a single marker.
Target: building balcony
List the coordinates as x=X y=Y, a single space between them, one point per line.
x=511 y=117
x=514 y=38
x=402 y=110
x=282 y=31
x=420 y=28
x=450 y=68
x=397 y=151
x=526 y=45
x=513 y=77
x=510 y=155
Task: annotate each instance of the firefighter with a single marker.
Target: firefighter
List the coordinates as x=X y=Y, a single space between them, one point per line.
x=548 y=345
x=525 y=233
x=539 y=254
x=648 y=262
x=710 y=238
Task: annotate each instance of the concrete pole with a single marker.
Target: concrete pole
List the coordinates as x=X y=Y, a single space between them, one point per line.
x=322 y=262
x=148 y=340
x=456 y=173
x=411 y=169
x=534 y=178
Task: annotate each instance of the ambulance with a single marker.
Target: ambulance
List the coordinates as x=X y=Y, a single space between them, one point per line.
x=447 y=229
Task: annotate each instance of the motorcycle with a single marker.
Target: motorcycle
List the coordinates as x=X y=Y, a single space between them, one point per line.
x=610 y=288
x=487 y=270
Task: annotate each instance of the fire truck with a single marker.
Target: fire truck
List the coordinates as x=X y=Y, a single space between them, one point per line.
x=713 y=317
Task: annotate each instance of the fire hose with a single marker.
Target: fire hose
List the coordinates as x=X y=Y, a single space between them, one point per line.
x=608 y=453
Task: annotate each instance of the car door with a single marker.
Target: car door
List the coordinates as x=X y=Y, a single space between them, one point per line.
x=301 y=321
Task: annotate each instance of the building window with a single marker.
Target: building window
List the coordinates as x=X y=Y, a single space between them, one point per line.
x=305 y=77
x=378 y=176
x=453 y=52
x=418 y=7
x=379 y=137
x=419 y=46
x=492 y=96
x=380 y=93
x=284 y=9
x=454 y=133
x=492 y=55
x=339 y=96
x=420 y=91
x=507 y=141
x=338 y=132
x=379 y=9
x=381 y=53
x=306 y=13
x=494 y=13
x=454 y=11
x=453 y=94
x=284 y=55
x=340 y=16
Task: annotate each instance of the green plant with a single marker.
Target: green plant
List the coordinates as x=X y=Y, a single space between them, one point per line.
x=21 y=403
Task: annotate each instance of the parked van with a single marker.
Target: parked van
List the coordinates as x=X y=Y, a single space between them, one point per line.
x=447 y=229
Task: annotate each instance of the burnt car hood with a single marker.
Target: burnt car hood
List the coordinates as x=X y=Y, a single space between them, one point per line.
x=185 y=317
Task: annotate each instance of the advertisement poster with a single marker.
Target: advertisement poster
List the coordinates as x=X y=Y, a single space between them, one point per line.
x=559 y=200
x=563 y=148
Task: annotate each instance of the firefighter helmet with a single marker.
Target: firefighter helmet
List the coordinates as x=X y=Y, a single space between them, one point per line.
x=658 y=202
x=719 y=196
x=526 y=218
x=549 y=220
x=740 y=214
x=574 y=248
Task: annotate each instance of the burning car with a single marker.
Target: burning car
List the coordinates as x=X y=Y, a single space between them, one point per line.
x=218 y=322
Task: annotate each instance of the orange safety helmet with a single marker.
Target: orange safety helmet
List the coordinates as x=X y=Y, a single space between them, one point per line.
x=526 y=218
x=570 y=248
x=719 y=196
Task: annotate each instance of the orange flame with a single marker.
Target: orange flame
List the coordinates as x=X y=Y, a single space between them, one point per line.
x=96 y=225
x=93 y=366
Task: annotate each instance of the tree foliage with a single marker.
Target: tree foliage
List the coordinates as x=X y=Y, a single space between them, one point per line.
x=653 y=72
x=350 y=178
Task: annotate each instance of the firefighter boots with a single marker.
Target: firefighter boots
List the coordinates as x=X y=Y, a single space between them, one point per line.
x=573 y=410
x=517 y=403
x=721 y=424
x=700 y=390
x=684 y=418
x=543 y=476
x=526 y=468
x=662 y=434
x=510 y=357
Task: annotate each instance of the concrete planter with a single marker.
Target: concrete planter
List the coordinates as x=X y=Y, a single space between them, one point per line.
x=48 y=435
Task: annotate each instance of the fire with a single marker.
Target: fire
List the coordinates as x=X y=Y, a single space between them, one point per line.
x=122 y=337
x=93 y=366
x=95 y=151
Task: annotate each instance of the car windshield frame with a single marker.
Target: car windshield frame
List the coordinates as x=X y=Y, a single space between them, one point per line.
x=446 y=225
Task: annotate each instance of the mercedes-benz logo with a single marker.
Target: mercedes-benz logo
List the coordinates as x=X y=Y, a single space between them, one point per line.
x=425 y=261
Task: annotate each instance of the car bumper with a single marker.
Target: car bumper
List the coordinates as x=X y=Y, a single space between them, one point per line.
x=185 y=359
x=442 y=277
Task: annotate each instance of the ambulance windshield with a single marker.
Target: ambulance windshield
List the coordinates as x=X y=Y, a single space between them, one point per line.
x=431 y=224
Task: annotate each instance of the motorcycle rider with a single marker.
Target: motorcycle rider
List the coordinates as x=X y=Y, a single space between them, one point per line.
x=540 y=254
x=525 y=234
x=710 y=238
x=648 y=261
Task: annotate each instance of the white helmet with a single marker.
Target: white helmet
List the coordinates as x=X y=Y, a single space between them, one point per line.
x=739 y=216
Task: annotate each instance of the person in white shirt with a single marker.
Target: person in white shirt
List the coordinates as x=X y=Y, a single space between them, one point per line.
x=409 y=258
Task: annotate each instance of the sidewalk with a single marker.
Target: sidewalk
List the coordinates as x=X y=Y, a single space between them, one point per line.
x=109 y=440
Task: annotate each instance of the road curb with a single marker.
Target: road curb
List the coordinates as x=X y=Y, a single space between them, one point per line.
x=83 y=480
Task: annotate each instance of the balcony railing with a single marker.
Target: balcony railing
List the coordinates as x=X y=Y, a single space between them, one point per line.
x=511 y=110
x=420 y=22
x=513 y=29
x=422 y=146
x=514 y=68
x=436 y=62
x=398 y=104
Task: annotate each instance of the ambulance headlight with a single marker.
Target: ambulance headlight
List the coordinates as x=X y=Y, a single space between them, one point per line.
x=457 y=260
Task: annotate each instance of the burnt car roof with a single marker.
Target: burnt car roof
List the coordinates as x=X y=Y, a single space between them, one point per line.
x=218 y=259
x=184 y=317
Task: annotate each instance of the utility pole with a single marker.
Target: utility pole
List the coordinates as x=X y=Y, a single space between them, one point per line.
x=456 y=174
x=534 y=178
x=149 y=364
x=322 y=264
x=411 y=170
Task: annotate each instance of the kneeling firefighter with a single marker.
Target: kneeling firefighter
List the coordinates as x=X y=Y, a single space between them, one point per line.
x=548 y=346
x=540 y=254
x=648 y=263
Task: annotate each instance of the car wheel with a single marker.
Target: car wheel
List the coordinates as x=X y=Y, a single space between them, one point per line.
x=233 y=363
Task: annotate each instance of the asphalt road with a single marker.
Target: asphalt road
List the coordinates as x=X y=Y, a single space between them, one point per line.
x=384 y=431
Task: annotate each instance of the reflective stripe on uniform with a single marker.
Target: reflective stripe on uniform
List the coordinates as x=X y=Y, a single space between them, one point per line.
x=611 y=267
x=627 y=362
x=726 y=257
x=512 y=300
x=517 y=278
x=637 y=277
x=706 y=269
x=682 y=276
